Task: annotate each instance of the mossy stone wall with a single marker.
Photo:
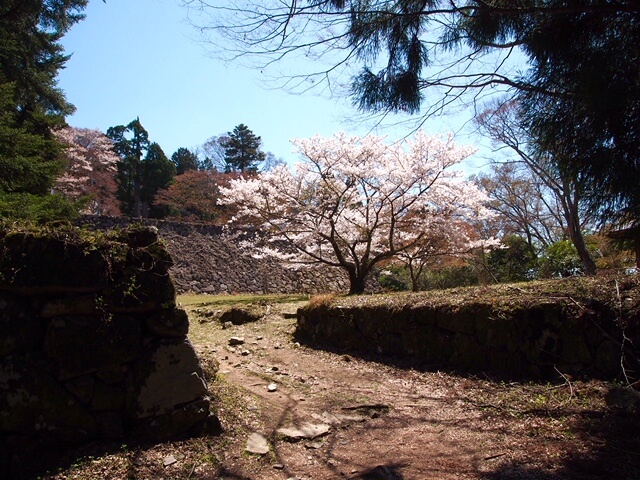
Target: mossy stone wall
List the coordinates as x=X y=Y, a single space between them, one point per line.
x=537 y=338
x=92 y=344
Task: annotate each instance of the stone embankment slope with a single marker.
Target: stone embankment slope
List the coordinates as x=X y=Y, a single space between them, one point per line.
x=206 y=260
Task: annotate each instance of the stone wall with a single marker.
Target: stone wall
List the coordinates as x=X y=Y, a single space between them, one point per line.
x=207 y=261
x=92 y=345
x=566 y=328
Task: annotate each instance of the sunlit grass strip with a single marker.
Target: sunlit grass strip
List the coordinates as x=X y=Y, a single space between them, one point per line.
x=199 y=300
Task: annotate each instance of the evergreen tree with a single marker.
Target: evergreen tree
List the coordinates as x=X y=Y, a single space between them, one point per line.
x=157 y=173
x=514 y=261
x=31 y=104
x=242 y=150
x=184 y=160
x=143 y=168
x=130 y=143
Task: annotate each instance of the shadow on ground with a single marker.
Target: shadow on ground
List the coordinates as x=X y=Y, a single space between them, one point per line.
x=602 y=443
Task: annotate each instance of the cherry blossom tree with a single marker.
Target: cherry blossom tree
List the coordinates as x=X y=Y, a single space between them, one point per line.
x=90 y=169
x=353 y=202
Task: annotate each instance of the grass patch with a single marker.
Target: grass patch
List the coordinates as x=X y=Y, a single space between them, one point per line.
x=199 y=300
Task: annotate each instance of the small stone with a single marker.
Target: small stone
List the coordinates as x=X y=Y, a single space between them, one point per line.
x=245 y=353
x=314 y=445
x=169 y=460
x=236 y=341
x=278 y=466
x=258 y=444
x=260 y=337
x=272 y=387
x=308 y=431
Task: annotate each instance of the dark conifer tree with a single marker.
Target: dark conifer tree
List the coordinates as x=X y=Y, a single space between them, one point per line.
x=242 y=150
x=184 y=160
x=31 y=104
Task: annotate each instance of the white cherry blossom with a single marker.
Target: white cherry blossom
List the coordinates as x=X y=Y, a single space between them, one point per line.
x=354 y=202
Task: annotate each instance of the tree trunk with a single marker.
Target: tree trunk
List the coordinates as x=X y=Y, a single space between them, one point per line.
x=414 y=279
x=137 y=199
x=587 y=262
x=575 y=234
x=356 y=282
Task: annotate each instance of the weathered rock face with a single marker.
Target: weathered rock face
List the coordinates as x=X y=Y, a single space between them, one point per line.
x=92 y=344
x=578 y=333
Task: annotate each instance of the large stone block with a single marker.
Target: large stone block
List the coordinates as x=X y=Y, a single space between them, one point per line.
x=152 y=257
x=167 y=374
x=168 y=323
x=181 y=420
x=34 y=404
x=73 y=305
x=135 y=291
x=458 y=320
x=80 y=345
x=20 y=329
x=609 y=359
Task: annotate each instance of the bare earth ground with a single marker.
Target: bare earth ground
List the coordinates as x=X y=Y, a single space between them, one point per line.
x=386 y=422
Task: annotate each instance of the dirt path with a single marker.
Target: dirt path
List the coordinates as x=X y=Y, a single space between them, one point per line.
x=391 y=423
x=381 y=422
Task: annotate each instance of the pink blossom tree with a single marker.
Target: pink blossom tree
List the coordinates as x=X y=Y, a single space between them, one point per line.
x=353 y=202
x=90 y=170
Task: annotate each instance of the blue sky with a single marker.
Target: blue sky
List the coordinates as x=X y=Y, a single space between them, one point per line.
x=140 y=58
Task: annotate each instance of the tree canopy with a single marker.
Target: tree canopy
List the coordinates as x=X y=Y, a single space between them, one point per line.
x=185 y=160
x=561 y=189
x=89 y=171
x=31 y=104
x=242 y=150
x=352 y=202
x=143 y=168
x=578 y=81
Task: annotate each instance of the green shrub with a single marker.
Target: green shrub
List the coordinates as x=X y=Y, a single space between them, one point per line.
x=394 y=279
x=512 y=262
x=38 y=208
x=449 y=277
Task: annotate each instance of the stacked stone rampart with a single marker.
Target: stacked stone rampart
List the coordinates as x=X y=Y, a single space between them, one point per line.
x=92 y=345
x=206 y=260
x=568 y=330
